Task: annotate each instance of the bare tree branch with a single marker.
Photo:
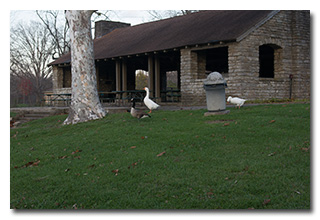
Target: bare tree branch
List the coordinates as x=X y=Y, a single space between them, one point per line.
x=58 y=30
x=162 y=14
x=30 y=54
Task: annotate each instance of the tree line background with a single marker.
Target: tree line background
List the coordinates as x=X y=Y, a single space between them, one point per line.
x=34 y=45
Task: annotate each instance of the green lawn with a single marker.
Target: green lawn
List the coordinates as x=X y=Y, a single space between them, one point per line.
x=257 y=157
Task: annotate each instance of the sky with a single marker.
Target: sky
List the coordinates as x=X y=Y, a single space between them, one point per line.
x=133 y=17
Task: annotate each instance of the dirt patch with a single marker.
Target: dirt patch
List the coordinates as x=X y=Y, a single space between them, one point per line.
x=219 y=121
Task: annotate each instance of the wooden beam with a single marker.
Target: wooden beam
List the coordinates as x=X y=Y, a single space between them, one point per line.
x=118 y=75
x=124 y=77
x=157 y=76
x=151 y=74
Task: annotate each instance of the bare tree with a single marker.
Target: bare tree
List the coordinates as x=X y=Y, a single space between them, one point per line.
x=101 y=14
x=85 y=103
x=162 y=14
x=58 y=29
x=29 y=56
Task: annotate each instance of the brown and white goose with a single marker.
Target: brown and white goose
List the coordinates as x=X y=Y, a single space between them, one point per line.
x=136 y=112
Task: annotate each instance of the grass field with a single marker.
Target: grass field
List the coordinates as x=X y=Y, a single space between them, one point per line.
x=257 y=157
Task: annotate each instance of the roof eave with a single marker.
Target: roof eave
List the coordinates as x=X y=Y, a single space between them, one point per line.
x=267 y=18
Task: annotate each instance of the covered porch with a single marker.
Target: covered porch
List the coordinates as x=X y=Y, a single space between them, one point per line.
x=118 y=81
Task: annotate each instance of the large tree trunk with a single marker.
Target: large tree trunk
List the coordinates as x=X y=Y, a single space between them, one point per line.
x=85 y=103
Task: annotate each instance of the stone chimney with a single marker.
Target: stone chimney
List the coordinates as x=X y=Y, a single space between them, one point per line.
x=105 y=27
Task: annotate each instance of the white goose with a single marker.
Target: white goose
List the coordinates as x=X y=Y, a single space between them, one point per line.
x=236 y=101
x=148 y=102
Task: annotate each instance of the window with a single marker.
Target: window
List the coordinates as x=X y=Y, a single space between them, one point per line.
x=172 y=80
x=66 y=77
x=217 y=60
x=266 y=61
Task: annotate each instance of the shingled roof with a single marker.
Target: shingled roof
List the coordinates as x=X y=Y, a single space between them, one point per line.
x=194 y=29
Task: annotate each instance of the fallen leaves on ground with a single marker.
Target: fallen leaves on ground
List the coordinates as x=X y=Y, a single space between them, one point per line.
x=15 y=135
x=76 y=151
x=29 y=164
x=266 y=201
x=162 y=153
x=272 y=121
x=271 y=154
x=92 y=166
x=210 y=195
x=133 y=165
x=116 y=171
x=296 y=191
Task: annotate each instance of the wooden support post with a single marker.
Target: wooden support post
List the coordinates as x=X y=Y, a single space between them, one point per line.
x=118 y=76
x=157 y=76
x=151 y=74
x=124 y=77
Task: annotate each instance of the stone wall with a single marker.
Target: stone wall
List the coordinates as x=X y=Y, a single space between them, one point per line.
x=192 y=92
x=288 y=32
x=104 y=27
x=57 y=81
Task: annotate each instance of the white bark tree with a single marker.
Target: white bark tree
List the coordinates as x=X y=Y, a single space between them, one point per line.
x=85 y=103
